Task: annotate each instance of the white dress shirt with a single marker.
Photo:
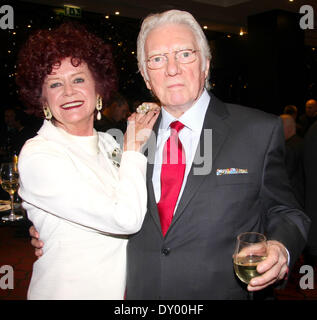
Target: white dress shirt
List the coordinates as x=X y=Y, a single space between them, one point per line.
x=189 y=136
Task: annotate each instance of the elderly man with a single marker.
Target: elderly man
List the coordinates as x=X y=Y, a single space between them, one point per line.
x=184 y=249
x=197 y=208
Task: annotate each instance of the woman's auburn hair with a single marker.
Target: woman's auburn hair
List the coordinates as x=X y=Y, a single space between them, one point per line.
x=47 y=48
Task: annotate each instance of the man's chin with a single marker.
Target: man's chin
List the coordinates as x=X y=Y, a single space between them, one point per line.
x=179 y=101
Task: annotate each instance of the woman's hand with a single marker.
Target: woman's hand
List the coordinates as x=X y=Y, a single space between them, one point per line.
x=139 y=128
x=36 y=242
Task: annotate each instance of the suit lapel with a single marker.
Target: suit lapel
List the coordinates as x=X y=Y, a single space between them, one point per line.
x=214 y=120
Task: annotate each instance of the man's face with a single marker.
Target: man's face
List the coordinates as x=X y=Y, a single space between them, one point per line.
x=311 y=108
x=176 y=85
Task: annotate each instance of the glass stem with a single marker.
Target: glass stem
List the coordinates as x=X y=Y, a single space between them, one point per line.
x=12 y=205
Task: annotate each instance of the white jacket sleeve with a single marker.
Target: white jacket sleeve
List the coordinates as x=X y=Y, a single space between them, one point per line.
x=49 y=180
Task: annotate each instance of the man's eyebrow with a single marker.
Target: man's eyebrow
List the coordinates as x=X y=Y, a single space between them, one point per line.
x=156 y=52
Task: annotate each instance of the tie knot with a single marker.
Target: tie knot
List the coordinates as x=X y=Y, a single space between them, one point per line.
x=176 y=125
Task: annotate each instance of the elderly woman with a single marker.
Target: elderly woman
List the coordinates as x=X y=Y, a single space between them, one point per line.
x=81 y=200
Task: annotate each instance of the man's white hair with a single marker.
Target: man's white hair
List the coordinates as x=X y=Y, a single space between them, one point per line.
x=172 y=17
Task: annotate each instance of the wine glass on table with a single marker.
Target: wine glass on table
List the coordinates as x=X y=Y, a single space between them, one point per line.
x=9 y=176
x=251 y=249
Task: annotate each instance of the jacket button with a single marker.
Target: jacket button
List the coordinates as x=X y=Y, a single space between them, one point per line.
x=165 y=251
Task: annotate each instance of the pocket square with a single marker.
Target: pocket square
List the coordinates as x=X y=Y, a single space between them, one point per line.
x=221 y=172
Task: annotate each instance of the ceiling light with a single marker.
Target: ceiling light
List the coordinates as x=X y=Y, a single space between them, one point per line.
x=242 y=32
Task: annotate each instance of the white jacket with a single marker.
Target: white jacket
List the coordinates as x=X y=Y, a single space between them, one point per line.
x=82 y=206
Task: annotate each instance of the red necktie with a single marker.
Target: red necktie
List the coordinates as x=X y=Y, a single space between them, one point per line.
x=172 y=175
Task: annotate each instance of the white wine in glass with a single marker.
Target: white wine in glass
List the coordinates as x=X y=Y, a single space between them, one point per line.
x=251 y=249
x=10 y=182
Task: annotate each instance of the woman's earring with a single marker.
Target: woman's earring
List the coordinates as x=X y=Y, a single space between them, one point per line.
x=99 y=107
x=47 y=113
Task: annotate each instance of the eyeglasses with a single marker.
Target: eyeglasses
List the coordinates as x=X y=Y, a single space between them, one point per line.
x=185 y=56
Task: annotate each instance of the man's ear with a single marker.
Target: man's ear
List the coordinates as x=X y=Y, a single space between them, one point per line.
x=148 y=85
x=207 y=68
x=147 y=82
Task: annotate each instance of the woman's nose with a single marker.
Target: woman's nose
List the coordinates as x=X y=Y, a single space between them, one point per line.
x=68 y=89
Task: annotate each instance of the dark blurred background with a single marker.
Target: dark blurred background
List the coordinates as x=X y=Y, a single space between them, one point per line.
x=261 y=56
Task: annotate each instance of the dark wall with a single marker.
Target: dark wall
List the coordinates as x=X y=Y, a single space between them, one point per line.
x=267 y=68
x=276 y=61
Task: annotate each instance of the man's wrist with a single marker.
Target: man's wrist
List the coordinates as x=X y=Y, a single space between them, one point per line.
x=282 y=247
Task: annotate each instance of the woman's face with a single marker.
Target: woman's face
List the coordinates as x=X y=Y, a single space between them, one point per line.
x=70 y=94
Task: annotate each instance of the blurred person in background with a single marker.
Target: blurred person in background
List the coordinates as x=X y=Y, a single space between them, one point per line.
x=309 y=117
x=294 y=148
x=114 y=115
x=292 y=111
x=310 y=163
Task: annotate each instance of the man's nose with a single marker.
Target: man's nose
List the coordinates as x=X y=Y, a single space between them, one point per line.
x=172 y=66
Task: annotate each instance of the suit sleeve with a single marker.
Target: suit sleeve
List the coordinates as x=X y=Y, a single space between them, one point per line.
x=50 y=181
x=310 y=161
x=285 y=220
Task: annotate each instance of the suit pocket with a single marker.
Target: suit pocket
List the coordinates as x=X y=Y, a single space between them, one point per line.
x=246 y=178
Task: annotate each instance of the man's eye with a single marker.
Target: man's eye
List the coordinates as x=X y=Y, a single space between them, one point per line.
x=157 y=59
x=79 y=80
x=185 y=54
x=55 y=85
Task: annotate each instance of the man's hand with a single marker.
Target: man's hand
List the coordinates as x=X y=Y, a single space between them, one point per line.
x=36 y=242
x=273 y=268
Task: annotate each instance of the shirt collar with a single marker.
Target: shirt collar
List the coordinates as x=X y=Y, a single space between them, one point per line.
x=193 y=118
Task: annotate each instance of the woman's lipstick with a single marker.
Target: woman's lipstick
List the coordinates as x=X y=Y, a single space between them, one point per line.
x=72 y=105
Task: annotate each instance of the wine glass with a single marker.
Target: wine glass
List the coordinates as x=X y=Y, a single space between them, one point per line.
x=251 y=249
x=10 y=182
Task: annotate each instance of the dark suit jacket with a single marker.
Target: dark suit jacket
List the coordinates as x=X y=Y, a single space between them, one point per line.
x=295 y=167
x=194 y=259
x=310 y=167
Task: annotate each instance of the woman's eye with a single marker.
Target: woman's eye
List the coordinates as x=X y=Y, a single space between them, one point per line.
x=79 y=80
x=55 y=84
